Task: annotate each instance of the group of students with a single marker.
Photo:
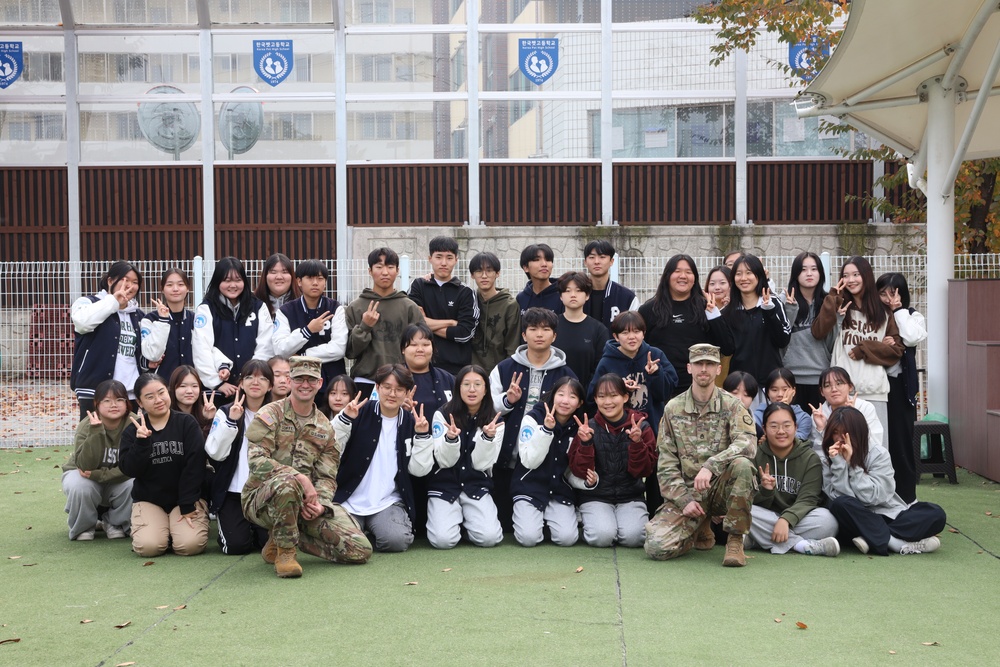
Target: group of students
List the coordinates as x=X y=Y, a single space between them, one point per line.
x=472 y=412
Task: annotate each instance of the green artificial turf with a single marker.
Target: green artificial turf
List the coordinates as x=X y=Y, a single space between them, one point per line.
x=502 y=606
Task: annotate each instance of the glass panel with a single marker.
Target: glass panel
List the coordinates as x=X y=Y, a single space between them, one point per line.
x=132 y=64
x=404 y=12
x=30 y=12
x=406 y=130
x=801 y=136
x=640 y=129
x=760 y=128
x=662 y=129
x=668 y=61
x=272 y=11
x=312 y=67
x=578 y=66
x=42 y=73
x=405 y=63
x=539 y=129
x=654 y=10
x=135 y=12
x=275 y=131
x=114 y=133
x=32 y=134
x=537 y=11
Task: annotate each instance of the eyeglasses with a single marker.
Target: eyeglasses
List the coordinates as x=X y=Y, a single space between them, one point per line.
x=473 y=385
x=388 y=389
x=484 y=272
x=784 y=426
x=831 y=385
x=305 y=379
x=108 y=402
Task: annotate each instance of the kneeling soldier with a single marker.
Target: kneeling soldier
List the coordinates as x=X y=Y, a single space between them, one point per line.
x=293 y=459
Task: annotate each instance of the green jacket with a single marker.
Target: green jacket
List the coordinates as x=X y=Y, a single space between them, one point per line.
x=798 y=478
x=499 y=332
x=372 y=347
x=96 y=449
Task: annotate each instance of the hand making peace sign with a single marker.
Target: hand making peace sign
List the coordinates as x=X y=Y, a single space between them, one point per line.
x=583 y=430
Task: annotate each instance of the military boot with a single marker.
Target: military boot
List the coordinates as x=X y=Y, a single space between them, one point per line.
x=270 y=551
x=734 y=552
x=285 y=564
x=704 y=539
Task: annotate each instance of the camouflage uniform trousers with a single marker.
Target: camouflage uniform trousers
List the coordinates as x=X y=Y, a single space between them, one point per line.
x=670 y=534
x=335 y=536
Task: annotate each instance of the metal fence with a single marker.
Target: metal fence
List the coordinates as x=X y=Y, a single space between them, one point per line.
x=36 y=336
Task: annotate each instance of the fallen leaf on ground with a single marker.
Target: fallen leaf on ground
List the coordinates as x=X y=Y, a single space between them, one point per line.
x=162 y=606
x=579 y=570
x=28 y=564
x=148 y=563
x=27 y=527
x=447 y=569
x=563 y=587
x=777 y=620
x=11 y=641
x=13 y=557
x=892 y=653
x=952 y=530
x=800 y=625
x=411 y=583
x=124 y=625
x=989 y=514
x=125 y=664
x=85 y=621
x=183 y=606
x=930 y=643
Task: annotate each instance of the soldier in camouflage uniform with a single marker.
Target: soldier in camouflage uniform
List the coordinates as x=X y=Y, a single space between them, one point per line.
x=293 y=459
x=706 y=447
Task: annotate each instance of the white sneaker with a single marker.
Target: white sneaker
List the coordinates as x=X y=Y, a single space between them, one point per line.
x=113 y=532
x=85 y=536
x=924 y=546
x=828 y=546
x=860 y=543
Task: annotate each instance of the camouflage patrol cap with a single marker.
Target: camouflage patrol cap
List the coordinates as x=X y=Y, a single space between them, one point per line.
x=306 y=367
x=704 y=352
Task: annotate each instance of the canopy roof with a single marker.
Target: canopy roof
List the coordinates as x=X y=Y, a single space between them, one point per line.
x=889 y=48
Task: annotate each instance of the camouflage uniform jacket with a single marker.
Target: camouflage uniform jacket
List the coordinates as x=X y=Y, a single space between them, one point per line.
x=688 y=442
x=275 y=447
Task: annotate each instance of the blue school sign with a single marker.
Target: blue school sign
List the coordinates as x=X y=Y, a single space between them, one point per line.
x=273 y=59
x=539 y=58
x=800 y=54
x=11 y=63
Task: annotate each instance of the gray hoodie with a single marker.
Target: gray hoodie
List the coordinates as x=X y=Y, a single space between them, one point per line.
x=874 y=487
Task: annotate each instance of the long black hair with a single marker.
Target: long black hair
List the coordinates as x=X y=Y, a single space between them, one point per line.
x=819 y=293
x=114 y=275
x=663 y=309
x=223 y=268
x=457 y=408
x=871 y=305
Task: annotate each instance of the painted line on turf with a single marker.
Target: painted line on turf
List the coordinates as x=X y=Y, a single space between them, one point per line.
x=966 y=536
x=618 y=600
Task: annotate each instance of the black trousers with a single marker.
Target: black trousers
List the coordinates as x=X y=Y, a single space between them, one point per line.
x=237 y=535
x=911 y=525
x=899 y=439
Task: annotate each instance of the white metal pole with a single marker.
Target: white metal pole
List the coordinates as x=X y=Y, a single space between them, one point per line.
x=607 y=115
x=344 y=285
x=472 y=113
x=740 y=136
x=72 y=75
x=940 y=239
x=207 y=144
